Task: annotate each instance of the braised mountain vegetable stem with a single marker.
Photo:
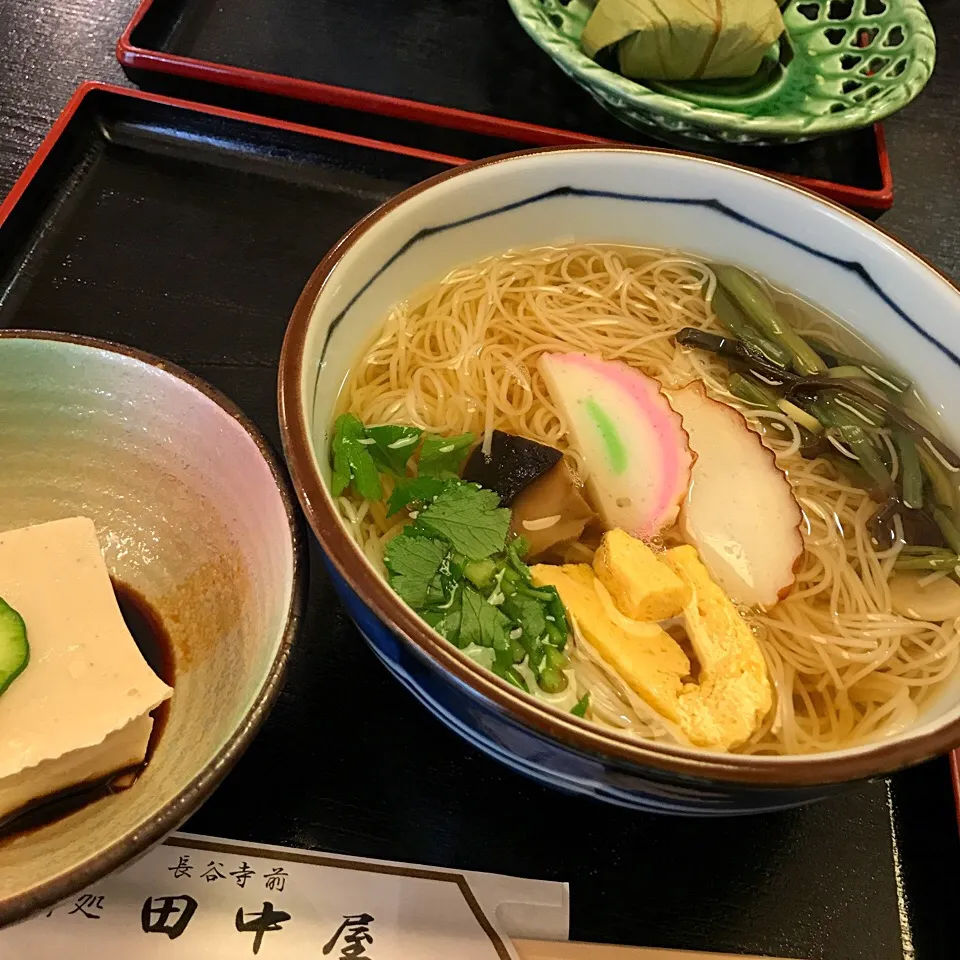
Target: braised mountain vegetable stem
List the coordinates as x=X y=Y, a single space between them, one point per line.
x=732 y=320
x=734 y=351
x=948 y=528
x=752 y=298
x=848 y=373
x=853 y=409
x=795 y=386
x=851 y=432
x=869 y=413
x=909 y=550
x=940 y=484
x=852 y=471
x=837 y=360
x=800 y=416
x=933 y=563
x=911 y=476
x=893 y=413
x=752 y=391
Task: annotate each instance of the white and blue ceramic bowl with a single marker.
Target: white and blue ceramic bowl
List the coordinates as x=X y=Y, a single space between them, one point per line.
x=884 y=291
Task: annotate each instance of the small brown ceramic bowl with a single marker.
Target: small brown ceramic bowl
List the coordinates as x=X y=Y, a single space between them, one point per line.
x=194 y=514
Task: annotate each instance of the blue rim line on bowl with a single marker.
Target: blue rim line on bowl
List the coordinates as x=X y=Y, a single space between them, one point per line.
x=708 y=203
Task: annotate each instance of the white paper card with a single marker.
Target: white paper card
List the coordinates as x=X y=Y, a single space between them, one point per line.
x=197 y=897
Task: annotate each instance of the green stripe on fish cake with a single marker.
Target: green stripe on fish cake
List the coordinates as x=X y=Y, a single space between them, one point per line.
x=615 y=448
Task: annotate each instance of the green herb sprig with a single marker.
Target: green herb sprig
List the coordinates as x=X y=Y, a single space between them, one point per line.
x=456 y=568
x=455 y=564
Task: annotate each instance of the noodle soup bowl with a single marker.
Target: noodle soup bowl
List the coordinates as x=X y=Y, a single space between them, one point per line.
x=884 y=292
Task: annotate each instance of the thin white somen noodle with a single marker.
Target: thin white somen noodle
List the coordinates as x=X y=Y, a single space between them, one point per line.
x=462 y=355
x=607 y=685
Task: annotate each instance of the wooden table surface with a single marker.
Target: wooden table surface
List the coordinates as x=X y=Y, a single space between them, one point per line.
x=403 y=797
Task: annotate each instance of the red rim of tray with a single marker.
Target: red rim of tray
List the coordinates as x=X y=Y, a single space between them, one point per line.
x=91 y=86
x=140 y=58
x=955 y=776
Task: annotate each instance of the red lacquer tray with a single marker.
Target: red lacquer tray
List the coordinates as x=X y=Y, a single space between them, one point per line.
x=464 y=65
x=955 y=774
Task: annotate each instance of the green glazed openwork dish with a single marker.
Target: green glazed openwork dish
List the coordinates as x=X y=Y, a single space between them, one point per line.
x=842 y=64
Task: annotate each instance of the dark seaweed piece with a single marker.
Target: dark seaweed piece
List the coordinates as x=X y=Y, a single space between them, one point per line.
x=918 y=526
x=732 y=349
x=514 y=463
x=813 y=445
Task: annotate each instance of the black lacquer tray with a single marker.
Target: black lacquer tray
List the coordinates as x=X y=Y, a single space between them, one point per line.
x=189 y=231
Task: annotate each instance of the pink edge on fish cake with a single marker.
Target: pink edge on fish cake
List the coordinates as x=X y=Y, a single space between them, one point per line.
x=645 y=391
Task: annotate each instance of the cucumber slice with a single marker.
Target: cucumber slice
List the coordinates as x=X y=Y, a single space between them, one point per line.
x=14 y=649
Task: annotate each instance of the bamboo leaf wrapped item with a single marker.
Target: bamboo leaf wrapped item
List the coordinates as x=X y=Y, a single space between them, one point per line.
x=684 y=39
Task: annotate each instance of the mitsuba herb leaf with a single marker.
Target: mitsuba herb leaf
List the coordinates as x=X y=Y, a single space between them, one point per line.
x=417 y=566
x=393 y=445
x=352 y=461
x=470 y=518
x=444 y=456
x=511 y=675
x=515 y=552
x=411 y=491
x=339 y=474
x=529 y=614
x=454 y=565
x=481 y=622
x=446 y=618
x=344 y=429
x=579 y=709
